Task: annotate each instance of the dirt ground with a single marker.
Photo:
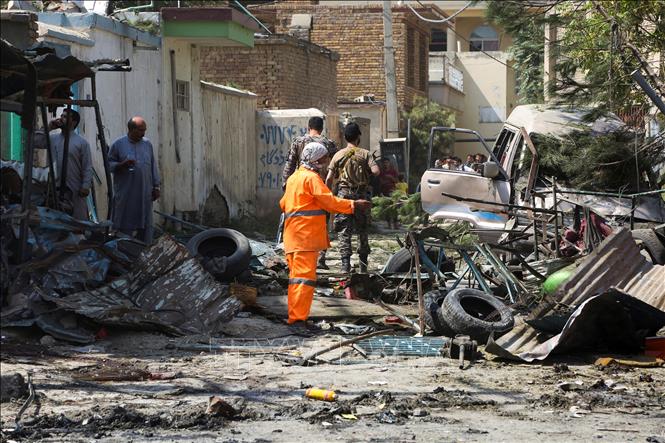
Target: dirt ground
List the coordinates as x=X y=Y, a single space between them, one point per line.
x=380 y=398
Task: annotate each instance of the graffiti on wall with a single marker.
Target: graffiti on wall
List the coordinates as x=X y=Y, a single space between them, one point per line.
x=274 y=143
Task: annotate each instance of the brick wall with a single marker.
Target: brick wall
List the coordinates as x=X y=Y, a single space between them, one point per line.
x=283 y=71
x=356 y=34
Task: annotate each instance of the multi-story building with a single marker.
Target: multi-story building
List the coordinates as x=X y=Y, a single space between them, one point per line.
x=470 y=69
x=354 y=30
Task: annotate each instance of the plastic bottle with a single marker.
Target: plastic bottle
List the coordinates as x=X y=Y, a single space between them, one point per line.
x=321 y=394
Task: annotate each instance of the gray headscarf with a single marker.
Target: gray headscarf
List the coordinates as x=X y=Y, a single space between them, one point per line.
x=311 y=154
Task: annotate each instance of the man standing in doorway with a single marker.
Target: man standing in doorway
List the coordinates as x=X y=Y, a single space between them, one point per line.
x=135 y=181
x=314 y=135
x=351 y=168
x=79 y=162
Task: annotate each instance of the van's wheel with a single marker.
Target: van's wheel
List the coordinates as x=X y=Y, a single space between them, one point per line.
x=223 y=252
x=433 y=316
x=475 y=313
x=650 y=244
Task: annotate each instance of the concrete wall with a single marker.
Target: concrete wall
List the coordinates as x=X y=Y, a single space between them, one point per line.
x=275 y=130
x=489 y=96
x=120 y=95
x=464 y=26
x=19 y=28
x=229 y=159
x=180 y=189
x=377 y=116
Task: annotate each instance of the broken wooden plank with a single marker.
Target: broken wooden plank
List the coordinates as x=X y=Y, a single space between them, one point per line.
x=331 y=307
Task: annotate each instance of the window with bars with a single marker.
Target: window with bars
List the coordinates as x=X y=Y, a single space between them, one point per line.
x=182 y=95
x=439 y=41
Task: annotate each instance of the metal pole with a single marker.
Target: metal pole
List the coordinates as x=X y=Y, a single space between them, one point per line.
x=51 y=161
x=64 y=167
x=419 y=284
x=408 y=150
x=105 y=149
x=632 y=212
x=637 y=166
x=535 y=230
x=556 y=219
x=389 y=67
x=174 y=105
x=648 y=90
x=26 y=191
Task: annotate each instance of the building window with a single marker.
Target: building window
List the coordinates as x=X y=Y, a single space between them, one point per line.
x=439 y=41
x=181 y=95
x=484 y=38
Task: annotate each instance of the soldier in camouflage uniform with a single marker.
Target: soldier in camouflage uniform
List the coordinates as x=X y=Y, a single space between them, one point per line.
x=314 y=134
x=352 y=168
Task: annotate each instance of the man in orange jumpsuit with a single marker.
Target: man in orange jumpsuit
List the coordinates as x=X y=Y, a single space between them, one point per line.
x=304 y=204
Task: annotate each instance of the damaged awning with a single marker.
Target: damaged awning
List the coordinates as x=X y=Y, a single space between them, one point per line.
x=54 y=74
x=617 y=263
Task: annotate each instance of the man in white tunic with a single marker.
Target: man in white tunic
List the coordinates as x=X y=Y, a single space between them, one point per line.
x=135 y=181
x=79 y=162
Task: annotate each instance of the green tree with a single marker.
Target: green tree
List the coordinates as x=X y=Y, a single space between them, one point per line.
x=424 y=115
x=599 y=44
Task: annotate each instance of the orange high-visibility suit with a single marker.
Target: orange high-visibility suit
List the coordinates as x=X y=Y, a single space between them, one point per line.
x=304 y=205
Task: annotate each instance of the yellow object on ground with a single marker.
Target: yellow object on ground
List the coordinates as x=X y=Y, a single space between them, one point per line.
x=321 y=394
x=642 y=363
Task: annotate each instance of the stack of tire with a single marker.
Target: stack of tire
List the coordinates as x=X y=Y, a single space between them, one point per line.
x=467 y=311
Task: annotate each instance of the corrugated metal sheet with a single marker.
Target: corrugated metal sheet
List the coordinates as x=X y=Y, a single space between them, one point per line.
x=619 y=263
x=616 y=263
x=167 y=290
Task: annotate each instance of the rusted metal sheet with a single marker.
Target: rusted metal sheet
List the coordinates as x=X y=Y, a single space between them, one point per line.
x=617 y=263
x=168 y=290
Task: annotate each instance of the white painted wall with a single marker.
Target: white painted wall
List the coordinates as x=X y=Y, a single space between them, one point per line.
x=275 y=130
x=120 y=95
x=180 y=189
x=229 y=160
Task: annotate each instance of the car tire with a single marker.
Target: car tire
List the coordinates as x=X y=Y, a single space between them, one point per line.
x=464 y=310
x=433 y=316
x=400 y=261
x=651 y=244
x=225 y=253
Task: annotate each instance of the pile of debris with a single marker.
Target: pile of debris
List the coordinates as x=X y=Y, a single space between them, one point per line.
x=79 y=277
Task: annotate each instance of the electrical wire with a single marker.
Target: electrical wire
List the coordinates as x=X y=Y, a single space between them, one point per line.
x=461 y=36
x=445 y=20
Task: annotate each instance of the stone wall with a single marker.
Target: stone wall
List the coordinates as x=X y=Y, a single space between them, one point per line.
x=284 y=72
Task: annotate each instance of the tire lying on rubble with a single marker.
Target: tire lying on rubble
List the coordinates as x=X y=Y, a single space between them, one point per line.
x=225 y=253
x=400 y=261
x=649 y=242
x=433 y=317
x=475 y=313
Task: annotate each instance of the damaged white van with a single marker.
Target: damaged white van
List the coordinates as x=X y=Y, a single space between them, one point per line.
x=508 y=177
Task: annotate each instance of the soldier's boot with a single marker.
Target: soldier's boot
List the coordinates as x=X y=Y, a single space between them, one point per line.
x=322 y=261
x=346 y=265
x=363 y=264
